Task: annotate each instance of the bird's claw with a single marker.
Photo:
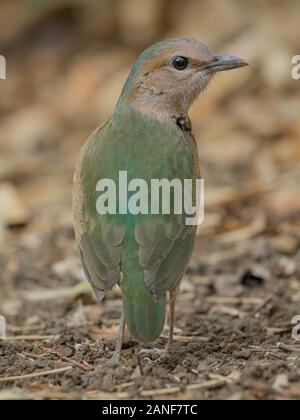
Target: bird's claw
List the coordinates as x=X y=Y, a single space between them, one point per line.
x=116 y=358
x=163 y=354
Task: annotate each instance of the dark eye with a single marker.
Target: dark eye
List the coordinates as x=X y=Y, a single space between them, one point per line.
x=180 y=63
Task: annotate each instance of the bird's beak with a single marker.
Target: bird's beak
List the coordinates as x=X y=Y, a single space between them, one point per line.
x=226 y=62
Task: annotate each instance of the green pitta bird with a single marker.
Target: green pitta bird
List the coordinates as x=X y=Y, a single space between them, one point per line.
x=149 y=138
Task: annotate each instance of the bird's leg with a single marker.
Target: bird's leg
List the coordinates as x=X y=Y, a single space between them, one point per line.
x=118 y=349
x=170 y=342
x=168 y=348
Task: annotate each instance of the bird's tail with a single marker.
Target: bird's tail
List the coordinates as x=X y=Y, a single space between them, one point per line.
x=145 y=315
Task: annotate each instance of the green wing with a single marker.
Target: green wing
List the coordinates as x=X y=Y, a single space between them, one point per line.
x=158 y=246
x=99 y=239
x=164 y=253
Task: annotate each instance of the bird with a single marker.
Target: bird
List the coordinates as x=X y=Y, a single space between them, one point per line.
x=149 y=136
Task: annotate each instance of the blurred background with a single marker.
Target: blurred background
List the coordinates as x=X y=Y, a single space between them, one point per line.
x=67 y=61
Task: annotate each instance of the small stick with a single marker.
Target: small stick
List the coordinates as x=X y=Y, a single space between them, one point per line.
x=262 y=306
x=36 y=374
x=26 y=328
x=140 y=365
x=274 y=330
x=158 y=392
x=125 y=385
x=34 y=356
x=214 y=383
x=83 y=366
x=188 y=338
x=291 y=349
x=30 y=337
x=220 y=300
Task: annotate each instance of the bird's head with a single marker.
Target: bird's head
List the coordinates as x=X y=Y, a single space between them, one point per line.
x=170 y=75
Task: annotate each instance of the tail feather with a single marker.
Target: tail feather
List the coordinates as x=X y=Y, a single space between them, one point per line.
x=145 y=315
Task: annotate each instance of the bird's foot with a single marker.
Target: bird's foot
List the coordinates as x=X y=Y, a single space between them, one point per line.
x=117 y=357
x=150 y=351
x=163 y=354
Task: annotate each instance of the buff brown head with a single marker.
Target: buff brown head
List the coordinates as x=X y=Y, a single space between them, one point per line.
x=170 y=75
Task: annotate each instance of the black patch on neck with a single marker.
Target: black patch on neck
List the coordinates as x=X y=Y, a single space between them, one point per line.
x=183 y=123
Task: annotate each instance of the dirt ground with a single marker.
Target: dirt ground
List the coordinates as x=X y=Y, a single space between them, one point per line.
x=227 y=337
x=233 y=337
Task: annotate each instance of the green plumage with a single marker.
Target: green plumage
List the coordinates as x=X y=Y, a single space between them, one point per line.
x=149 y=137
x=146 y=149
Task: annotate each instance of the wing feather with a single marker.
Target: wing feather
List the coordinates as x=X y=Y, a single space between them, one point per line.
x=99 y=239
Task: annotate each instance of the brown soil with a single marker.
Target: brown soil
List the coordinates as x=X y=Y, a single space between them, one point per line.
x=226 y=343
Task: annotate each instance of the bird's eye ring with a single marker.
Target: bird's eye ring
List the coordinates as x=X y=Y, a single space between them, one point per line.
x=180 y=63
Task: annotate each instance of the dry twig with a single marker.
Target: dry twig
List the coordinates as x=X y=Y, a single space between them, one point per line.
x=35 y=375
x=84 y=365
